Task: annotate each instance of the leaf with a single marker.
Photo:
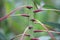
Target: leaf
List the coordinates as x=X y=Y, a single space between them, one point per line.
x=54 y=25
x=37 y=1
x=48 y=3
x=2 y=36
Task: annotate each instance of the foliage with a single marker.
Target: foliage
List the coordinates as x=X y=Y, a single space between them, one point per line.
x=19 y=19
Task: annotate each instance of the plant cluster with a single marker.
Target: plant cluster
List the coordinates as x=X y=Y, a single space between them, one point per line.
x=35 y=21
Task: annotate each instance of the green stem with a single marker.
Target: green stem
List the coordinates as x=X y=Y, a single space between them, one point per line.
x=44 y=26
x=35 y=6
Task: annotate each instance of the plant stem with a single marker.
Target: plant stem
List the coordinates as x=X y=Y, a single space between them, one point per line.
x=35 y=6
x=22 y=37
x=51 y=9
x=6 y=16
x=44 y=26
x=16 y=36
x=46 y=31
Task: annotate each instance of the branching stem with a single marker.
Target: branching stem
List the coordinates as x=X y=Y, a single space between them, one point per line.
x=44 y=26
x=6 y=16
x=22 y=37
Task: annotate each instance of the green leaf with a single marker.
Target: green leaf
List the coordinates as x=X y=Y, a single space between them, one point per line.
x=37 y=1
x=54 y=25
x=2 y=36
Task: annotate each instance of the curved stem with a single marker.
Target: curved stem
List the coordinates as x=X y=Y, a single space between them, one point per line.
x=44 y=26
x=6 y=16
x=22 y=37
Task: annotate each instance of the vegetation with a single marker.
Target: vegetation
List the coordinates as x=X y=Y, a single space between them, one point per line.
x=29 y=20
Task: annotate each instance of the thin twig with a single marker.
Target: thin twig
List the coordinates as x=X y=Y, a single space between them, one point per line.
x=40 y=30
x=16 y=36
x=46 y=31
x=22 y=37
x=35 y=6
x=49 y=9
x=44 y=26
x=52 y=31
x=6 y=16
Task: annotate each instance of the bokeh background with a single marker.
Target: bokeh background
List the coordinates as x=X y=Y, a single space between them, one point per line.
x=15 y=25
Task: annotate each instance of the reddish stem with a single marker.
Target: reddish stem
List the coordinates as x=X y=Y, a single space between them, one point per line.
x=6 y=16
x=34 y=39
x=44 y=26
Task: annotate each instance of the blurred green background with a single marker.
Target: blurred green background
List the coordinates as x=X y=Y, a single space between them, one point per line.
x=15 y=25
